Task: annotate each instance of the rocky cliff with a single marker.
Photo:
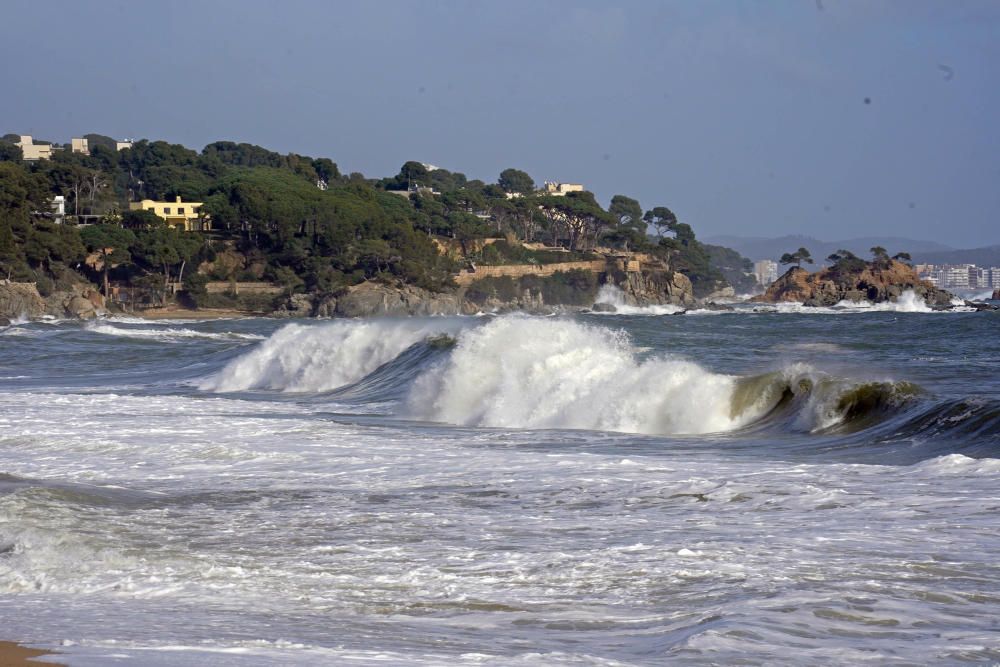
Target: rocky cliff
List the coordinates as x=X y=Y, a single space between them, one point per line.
x=875 y=283
x=22 y=300
x=654 y=288
x=372 y=299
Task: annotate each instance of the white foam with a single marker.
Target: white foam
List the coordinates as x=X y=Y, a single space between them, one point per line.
x=531 y=373
x=312 y=358
x=613 y=296
x=167 y=334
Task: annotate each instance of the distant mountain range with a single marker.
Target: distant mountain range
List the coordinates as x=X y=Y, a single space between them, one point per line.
x=929 y=252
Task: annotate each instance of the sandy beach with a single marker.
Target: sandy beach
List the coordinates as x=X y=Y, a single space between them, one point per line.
x=15 y=655
x=189 y=314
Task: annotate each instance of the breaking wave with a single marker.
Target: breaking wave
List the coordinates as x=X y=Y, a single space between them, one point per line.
x=554 y=373
x=321 y=358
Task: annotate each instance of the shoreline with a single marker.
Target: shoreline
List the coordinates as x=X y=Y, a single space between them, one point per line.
x=190 y=314
x=13 y=654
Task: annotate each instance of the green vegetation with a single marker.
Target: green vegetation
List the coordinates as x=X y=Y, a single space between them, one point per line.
x=797 y=257
x=299 y=222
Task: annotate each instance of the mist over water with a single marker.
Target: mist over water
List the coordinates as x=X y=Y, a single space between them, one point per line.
x=626 y=488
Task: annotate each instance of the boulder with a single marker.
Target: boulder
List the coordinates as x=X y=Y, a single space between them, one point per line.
x=296 y=305
x=19 y=300
x=604 y=308
x=371 y=299
x=996 y=294
x=80 y=308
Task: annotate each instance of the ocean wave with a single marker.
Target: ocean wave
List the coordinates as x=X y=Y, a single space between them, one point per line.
x=320 y=358
x=164 y=334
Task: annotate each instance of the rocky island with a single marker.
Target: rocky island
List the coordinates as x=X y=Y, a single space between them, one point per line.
x=850 y=278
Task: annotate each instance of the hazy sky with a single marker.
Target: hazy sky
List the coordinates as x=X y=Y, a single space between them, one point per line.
x=744 y=117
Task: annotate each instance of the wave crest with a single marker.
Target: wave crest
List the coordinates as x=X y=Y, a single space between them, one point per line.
x=319 y=358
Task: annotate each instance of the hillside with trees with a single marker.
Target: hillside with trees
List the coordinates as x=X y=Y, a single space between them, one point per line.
x=298 y=222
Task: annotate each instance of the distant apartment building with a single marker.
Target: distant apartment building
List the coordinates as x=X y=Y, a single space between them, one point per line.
x=766 y=271
x=959 y=276
x=181 y=215
x=80 y=145
x=30 y=151
x=122 y=145
x=561 y=189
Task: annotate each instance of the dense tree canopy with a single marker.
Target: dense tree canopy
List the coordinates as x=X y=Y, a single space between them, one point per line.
x=298 y=221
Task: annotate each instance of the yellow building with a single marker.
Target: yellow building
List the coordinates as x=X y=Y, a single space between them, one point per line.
x=561 y=189
x=181 y=215
x=80 y=145
x=31 y=151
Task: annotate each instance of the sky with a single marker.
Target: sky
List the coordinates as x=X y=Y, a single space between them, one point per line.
x=830 y=118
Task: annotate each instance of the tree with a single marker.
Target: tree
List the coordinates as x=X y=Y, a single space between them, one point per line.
x=141 y=219
x=515 y=180
x=112 y=242
x=627 y=213
x=10 y=152
x=902 y=257
x=662 y=218
x=797 y=257
x=881 y=257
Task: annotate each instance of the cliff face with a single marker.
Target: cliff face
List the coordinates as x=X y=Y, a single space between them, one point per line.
x=653 y=288
x=372 y=299
x=19 y=300
x=829 y=286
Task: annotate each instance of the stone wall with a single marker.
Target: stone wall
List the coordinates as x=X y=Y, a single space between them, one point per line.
x=466 y=278
x=224 y=287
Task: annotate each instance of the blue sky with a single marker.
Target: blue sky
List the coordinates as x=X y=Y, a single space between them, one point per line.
x=745 y=118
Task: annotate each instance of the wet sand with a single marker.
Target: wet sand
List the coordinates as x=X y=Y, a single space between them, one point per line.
x=184 y=314
x=15 y=655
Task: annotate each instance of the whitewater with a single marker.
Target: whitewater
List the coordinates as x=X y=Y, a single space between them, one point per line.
x=619 y=488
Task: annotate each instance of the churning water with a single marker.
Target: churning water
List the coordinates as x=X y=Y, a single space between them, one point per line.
x=812 y=487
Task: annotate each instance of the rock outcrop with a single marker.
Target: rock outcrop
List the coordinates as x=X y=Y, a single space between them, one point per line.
x=874 y=283
x=371 y=299
x=655 y=288
x=20 y=300
x=78 y=302
x=996 y=294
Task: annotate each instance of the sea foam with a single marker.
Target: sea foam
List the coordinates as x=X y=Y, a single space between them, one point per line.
x=526 y=372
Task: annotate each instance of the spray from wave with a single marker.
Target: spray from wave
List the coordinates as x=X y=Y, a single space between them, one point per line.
x=319 y=358
x=527 y=373
x=550 y=373
x=610 y=295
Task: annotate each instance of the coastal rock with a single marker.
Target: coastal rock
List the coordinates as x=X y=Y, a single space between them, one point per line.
x=996 y=294
x=874 y=283
x=655 y=288
x=80 y=308
x=725 y=293
x=77 y=302
x=19 y=300
x=297 y=305
x=371 y=299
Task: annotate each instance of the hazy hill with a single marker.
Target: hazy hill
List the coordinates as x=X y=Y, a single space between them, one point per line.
x=985 y=257
x=772 y=248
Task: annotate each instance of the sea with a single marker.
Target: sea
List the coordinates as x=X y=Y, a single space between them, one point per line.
x=766 y=485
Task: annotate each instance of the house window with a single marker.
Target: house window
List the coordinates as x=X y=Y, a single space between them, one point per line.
x=180 y=210
x=166 y=209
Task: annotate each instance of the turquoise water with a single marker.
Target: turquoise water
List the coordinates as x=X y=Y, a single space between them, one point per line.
x=795 y=487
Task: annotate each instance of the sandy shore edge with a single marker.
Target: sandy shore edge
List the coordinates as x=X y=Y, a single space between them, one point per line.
x=15 y=655
x=184 y=314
